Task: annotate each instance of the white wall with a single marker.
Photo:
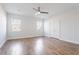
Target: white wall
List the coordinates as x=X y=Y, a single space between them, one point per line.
x=2 y=26
x=69 y=26
x=65 y=26
x=28 y=27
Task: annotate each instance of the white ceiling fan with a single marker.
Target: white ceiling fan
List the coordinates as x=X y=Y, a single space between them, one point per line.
x=39 y=10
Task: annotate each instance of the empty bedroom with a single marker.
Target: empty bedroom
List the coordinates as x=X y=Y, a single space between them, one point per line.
x=39 y=28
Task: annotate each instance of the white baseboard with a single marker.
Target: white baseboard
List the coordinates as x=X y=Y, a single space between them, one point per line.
x=74 y=42
x=2 y=43
x=22 y=37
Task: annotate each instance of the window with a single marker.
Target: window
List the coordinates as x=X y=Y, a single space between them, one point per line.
x=39 y=25
x=16 y=25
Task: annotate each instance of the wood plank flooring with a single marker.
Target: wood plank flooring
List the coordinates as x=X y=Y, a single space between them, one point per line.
x=39 y=46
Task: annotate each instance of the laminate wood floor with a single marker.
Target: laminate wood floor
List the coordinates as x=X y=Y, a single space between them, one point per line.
x=39 y=46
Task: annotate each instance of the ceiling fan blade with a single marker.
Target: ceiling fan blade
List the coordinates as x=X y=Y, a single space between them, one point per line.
x=44 y=12
x=39 y=9
x=35 y=9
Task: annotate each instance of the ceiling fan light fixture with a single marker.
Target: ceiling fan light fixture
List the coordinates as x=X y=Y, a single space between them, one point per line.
x=37 y=13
